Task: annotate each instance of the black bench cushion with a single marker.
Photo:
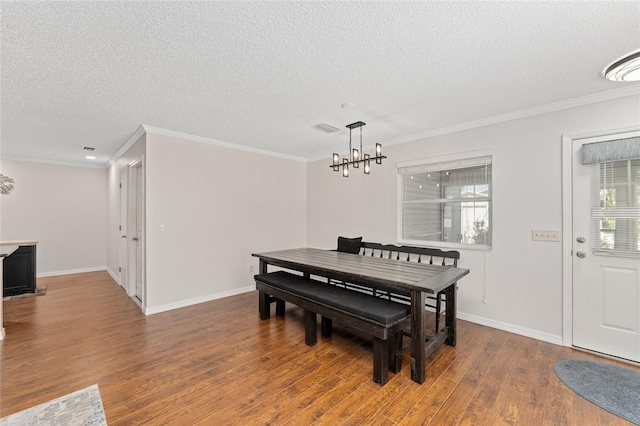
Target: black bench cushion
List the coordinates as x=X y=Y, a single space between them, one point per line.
x=377 y=309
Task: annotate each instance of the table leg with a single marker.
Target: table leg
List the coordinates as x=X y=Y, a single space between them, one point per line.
x=451 y=315
x=395 y=352
x=262 y=267
x=418 y=334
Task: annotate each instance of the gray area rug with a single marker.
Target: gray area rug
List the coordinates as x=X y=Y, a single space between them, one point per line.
x=83 y=407
x=610 y=386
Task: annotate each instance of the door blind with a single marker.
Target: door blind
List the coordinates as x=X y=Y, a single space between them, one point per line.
x=616 y=208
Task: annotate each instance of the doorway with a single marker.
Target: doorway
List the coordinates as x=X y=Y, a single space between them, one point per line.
x=139 y=227
x=601 y=260
x=122 y=227
x=135 y=233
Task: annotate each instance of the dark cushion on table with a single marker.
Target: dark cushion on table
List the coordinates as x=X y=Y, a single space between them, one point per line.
x=349 y=245
x=365 y=305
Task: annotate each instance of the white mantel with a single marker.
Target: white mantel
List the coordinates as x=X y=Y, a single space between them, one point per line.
x=18 y=243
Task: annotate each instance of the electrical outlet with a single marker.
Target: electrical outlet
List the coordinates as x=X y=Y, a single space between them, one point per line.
x=250 y=268
x=545 y=235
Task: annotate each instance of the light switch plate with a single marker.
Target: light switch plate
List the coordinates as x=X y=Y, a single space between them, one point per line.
x=545 y=235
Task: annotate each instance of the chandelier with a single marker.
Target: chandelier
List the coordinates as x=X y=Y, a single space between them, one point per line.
x=356 y=156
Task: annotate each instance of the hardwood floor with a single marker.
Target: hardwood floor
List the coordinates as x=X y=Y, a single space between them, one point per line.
x=216 y=363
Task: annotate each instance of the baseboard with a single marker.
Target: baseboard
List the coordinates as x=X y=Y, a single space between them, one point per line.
x=116 y=277
x=545 y=337
x=184 y=303
x=527 y=332
x=71 y=271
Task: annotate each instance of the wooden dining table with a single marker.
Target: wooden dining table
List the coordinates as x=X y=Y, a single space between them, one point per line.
x=413 y=279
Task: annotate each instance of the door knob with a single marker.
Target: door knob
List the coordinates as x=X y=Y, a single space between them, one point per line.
x=581 y=239
x=581 y=254
x=135 y=238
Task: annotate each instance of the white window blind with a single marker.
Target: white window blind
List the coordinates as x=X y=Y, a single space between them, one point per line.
x=447 y=202
x=616 y=208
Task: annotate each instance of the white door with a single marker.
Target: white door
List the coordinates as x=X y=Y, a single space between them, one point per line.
x=139 y=229
x=605 y=254
x=123 y=228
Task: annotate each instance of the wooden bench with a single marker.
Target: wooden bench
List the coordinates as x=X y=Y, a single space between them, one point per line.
x=431 y=256
x=382 y=319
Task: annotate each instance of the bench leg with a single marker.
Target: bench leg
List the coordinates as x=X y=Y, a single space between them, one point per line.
x=395 y=352
x=326 y=326
x=264 y=306
x=380 y=361
x=310 y=328
x=279 y=308
x=438 y=309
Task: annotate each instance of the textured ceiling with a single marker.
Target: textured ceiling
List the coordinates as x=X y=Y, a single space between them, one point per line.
x=261 y=74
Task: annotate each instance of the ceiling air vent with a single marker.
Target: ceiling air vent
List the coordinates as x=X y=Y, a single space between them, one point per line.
x=328 y=128
x=89 y=148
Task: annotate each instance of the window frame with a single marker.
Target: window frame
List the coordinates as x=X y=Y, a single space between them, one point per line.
x=433 y=161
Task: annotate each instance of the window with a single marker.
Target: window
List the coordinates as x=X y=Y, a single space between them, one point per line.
x=446 y=203
x=616 y=208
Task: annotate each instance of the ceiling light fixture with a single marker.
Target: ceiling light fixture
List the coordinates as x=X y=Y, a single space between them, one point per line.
x=625 y=69
x=356 y=156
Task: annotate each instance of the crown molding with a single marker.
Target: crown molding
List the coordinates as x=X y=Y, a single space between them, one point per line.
x=209 y=141
x=632 y=90
x=140 y=131
x=623 y=92
x=53 y=162
x=523 y=113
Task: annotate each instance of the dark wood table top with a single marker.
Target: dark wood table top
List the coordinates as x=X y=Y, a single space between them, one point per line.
x=397 y=275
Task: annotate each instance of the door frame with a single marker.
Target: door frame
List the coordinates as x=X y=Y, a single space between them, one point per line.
x=132 y=252
x=123 y=258
x=567 y=225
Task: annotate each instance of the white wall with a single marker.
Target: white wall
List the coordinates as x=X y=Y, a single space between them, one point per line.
x=64 y=208
x=518 y=285
x=218 y=205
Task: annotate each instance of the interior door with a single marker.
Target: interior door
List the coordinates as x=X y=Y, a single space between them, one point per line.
x=123 y=228
x=139 y=229
x=606 y=278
